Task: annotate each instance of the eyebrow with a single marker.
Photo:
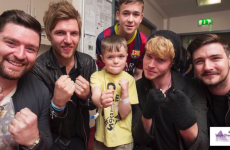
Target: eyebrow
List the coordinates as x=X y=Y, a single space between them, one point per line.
x=132 y=12
x=60 y=30
x=214 y=55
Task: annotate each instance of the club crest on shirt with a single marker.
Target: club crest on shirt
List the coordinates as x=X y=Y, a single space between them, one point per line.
x=135 y=54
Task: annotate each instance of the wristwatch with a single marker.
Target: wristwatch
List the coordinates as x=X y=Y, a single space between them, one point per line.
x=35 y=144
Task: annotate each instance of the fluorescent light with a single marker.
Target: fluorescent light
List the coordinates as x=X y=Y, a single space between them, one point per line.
x=207 y=2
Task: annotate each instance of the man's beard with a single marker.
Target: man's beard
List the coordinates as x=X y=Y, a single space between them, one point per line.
x=13 y=75
x=59 y=53
x=221 y=84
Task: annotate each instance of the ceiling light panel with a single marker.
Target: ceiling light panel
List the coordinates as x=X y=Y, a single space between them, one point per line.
x=207 y=2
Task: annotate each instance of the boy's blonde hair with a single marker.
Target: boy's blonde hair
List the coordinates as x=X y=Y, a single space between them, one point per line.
x=113 y=43
x=62 y=10
x=161 y=47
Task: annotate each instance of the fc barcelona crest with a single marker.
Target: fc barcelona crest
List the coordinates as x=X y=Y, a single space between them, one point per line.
x=135 y=54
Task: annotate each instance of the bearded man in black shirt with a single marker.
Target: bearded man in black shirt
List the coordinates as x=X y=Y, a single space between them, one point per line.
x=210 y=56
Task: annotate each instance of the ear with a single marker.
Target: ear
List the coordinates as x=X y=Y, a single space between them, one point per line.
x=102 y=58
x=142 y=15
x=229 y=60
x=117 y=15
x=171 y=64
x=48 y=37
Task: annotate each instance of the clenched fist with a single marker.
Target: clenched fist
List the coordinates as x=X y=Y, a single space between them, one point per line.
x=82 y=87
x=63 y=91
x=24 y=127
x=124 y=83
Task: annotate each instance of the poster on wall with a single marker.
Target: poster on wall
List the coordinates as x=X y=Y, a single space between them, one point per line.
x=98 y=17
x=90 y=45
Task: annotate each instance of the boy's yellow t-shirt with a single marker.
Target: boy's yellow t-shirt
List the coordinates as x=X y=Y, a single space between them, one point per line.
x=110 y=128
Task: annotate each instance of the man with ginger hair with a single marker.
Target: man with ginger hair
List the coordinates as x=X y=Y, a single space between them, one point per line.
x=66 y=72
x=172 y=109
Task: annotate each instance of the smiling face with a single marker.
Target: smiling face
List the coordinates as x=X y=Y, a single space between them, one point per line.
x=158 y=58
x=129 y=16
x=211 y=64
x=64 y=39
x=115 y=61
x=18 y=50
x=155 y=67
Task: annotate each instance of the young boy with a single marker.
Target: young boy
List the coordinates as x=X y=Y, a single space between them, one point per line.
x=113 y=92
x=130 y=15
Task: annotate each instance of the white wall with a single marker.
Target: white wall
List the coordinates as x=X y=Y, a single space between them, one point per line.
x=153 y=15
x=188 y=24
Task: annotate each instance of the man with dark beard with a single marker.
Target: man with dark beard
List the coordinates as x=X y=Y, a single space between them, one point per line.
x=66 y=72
x=24 y=100
x=211 y=60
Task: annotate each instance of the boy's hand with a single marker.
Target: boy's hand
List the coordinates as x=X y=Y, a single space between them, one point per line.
x=82 y=87
x=124 y=83
x=107 y=98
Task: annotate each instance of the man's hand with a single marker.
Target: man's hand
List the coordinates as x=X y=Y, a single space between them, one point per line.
x=1 y=95
x=107 y=98
x=63 y=90
x=154 y=99
x=82 y=88
x=24 y=127
x=124 y=83
x=180 y=109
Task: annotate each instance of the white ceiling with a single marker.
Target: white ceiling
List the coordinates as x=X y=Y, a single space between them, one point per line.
x=176 y=8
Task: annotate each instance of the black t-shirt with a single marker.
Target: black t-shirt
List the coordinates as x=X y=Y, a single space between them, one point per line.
x=216 y=117
x=166 y=136
x=73 y=74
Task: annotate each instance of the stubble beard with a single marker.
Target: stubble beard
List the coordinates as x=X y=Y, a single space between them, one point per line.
x=61 y=55
x=219 y=85
x=13 y=75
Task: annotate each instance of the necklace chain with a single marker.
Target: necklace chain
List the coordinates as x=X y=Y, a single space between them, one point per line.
x=169 y=85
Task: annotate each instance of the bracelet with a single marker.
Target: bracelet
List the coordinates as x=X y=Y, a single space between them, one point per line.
x=55 y=107
x=125 y=101
x=35 y=144
x=55 y=114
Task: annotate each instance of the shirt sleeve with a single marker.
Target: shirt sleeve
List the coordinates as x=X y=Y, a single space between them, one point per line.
x=94 y=80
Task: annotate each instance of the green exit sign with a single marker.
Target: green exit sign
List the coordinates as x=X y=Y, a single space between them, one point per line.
x=208 y=21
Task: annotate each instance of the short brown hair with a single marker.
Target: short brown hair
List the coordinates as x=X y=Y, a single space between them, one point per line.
x=21 y=18
x=207 y=39
x=62 y=10
x=113 y=43
x=131 y=1
x=161 y=47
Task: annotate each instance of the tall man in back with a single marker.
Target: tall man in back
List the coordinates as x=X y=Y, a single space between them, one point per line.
x=211 y=61
x=130 y=15
x=24 y=100
x=66 y=72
